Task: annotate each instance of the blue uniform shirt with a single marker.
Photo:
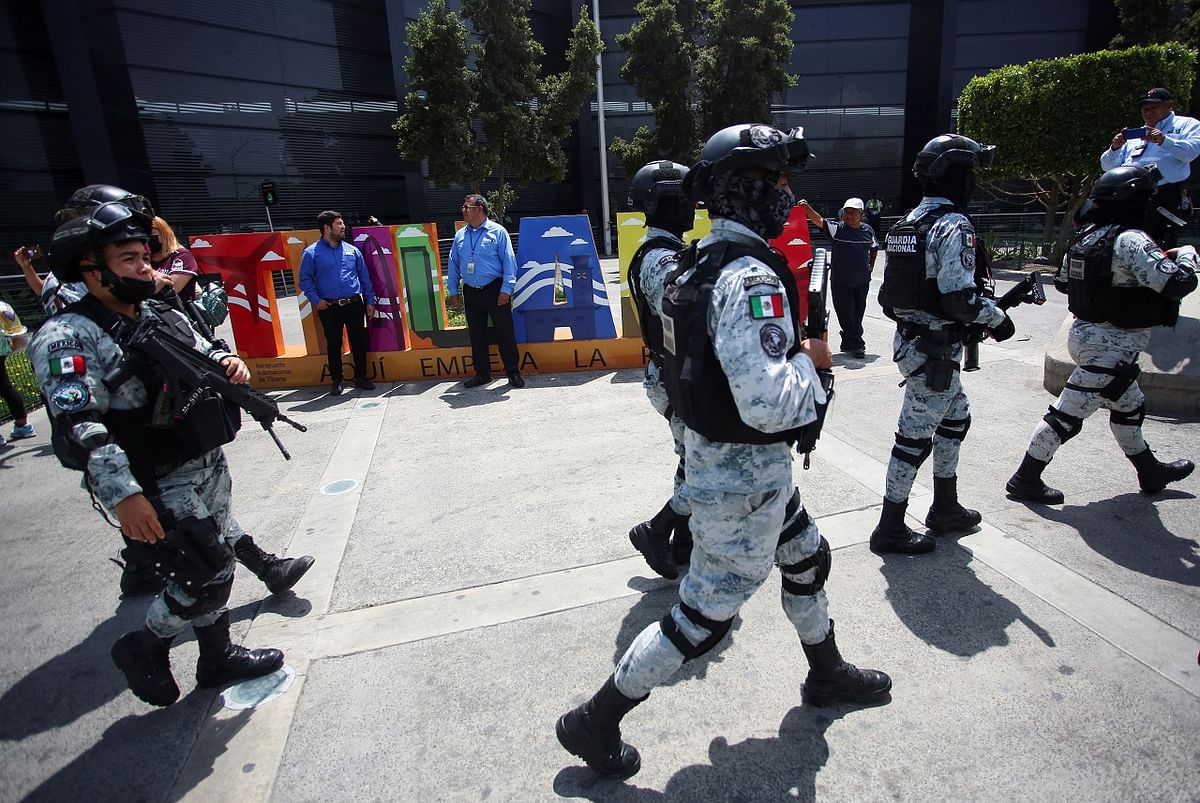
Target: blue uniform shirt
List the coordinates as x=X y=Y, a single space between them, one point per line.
x=851 y=251
x=332 y=273
x=480 y=256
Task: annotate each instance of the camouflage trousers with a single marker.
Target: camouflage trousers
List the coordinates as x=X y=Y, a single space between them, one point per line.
x=200 y=488
x=940 y=415
x=736 y=545
x=657 y=395
x=1081 y=404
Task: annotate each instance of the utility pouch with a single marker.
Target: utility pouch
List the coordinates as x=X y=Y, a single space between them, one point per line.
x=1124 y=375
x=939 y=373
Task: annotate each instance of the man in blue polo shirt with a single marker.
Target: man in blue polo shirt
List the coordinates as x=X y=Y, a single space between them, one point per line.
x=333 y=275
x=853 y=248
x=482 y=259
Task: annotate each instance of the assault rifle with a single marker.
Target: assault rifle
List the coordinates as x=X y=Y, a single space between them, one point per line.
x=1027 y=291
x=817 y=324
x=188 y=375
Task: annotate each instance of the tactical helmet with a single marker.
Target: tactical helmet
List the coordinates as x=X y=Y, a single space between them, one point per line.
x=1127 y=184
x=655 y=181
x=112 y=222
x=741 y=146
x=94 y=195
x=944 y=152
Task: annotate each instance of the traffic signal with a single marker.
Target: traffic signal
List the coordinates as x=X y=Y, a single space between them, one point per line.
x=269 y=197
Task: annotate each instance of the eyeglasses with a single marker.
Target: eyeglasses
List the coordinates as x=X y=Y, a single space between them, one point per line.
x=469 y=206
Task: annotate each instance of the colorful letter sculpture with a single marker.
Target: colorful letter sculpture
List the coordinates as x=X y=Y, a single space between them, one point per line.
x=245 y=262
x=385 y=331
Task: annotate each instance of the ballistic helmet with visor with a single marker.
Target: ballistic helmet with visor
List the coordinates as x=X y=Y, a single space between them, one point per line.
x=87 y=234
x=94 y=195
x=1127 y=183
x=655 y=181
x=743 y=146
x=945 y=152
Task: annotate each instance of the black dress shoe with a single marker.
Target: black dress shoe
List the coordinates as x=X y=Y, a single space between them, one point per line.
x=516 y=380
x=364 y=384
x=859 y=354
x=476 y=381
x=337 y=389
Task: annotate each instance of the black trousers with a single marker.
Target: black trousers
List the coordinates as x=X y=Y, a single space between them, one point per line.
x=850 y=303
x=16 y=405
x=353 y=317
x=479 y=305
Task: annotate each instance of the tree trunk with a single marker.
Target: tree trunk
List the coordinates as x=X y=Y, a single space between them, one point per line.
x=1048 y=222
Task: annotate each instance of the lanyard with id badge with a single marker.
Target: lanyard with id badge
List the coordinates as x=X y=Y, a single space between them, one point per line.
x=471 y=262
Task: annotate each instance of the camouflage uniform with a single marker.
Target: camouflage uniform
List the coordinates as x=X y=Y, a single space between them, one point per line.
x=741 y=494
x=1136 y=261
x=941 y=415
x=70 y=354
x=656 y=264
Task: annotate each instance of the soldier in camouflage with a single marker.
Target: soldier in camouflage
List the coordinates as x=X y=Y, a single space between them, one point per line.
x=745 y=388
x=657 y=190
x=167 y=483
x=932 y=288
x=1120 y=284
x=278 y=574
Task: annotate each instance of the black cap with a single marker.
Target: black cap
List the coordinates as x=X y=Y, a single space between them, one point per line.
x=1155 y=95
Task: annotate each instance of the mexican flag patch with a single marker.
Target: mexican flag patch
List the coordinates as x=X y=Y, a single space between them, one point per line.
x=64 y=366
x=768 y=306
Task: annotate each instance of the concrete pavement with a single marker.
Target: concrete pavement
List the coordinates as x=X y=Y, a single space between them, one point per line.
x=474 y=581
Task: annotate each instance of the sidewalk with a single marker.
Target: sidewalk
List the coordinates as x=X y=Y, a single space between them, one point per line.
x=476 y=581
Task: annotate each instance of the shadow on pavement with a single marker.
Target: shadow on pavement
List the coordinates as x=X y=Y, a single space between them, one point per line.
x=780 y=768
x=1127 y=530
x=944 y=603
x=459 y=398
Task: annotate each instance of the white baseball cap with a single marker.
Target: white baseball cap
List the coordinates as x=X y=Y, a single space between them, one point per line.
x=853 y=203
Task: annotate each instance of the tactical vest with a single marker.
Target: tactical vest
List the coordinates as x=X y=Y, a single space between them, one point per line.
x=905 y=285
x=1090 y=292
x=150 y=443
x=652 y=333
x=696 y=384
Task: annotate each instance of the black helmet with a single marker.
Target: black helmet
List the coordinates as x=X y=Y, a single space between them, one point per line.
x=1127 y=184
x=655 y=181
x=745 y=145
x=944 y=152
x=112 y=222
x=94 y=195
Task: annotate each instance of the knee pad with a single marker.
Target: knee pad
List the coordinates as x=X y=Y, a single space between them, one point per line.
x=820 y=560
x=209 y=598
x=954 y=428
x=1064 y=425
x=716 y=629
x=796 y=527
x=925 y=445
x=1133 y=418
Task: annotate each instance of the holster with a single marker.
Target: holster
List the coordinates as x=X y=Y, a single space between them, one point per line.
x=937 y=345
x=1124 y=375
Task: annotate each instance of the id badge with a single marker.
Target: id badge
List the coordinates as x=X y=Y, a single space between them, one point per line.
x=471 y=268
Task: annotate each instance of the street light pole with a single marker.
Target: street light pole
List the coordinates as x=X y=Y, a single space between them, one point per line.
x=603 y=140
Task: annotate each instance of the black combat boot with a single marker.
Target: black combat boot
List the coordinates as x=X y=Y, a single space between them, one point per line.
x=145 y=659
x=1153 y=476
x=279 y=574
x=946 y=514
x=831 y=680
x=893 y=535
x=681 y=543
x=222 y=661
x=592 y=731
x=1027 y=483
x=653 y=539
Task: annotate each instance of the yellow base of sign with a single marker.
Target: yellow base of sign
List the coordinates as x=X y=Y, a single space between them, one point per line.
x=297 y=368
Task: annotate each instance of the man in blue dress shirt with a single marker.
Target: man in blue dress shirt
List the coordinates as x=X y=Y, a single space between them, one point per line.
x=1172 y=141
x=334 y=276
x=482 y=259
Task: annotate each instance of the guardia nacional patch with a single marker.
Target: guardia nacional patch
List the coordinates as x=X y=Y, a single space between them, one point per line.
x=773 y=339
x=71 y=396
x=766 y=306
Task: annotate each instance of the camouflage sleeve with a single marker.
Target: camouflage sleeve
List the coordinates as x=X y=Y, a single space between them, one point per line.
x=752 y=330
x=952 y=253
x=1147 y=263
x=70 y=355
x=656 y=266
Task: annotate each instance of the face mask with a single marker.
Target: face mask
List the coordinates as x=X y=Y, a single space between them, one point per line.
x=130 y=291
x=155 y=244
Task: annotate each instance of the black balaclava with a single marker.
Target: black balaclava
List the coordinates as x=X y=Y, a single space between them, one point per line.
x=756 y=203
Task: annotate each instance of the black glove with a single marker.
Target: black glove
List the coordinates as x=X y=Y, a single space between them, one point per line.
x=1003 y=330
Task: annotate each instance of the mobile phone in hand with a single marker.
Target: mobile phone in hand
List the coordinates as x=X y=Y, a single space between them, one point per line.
x=1135 y=133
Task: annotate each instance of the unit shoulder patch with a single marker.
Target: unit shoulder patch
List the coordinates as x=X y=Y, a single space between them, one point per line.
x=773 y=340
x=755 y=281
x=71 y=396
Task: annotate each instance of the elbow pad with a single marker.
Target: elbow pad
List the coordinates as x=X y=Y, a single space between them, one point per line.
x=1182 y=283
x=963 y=306
x=70 y=450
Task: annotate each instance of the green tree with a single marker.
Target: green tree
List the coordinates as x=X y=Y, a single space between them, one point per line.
x=500 y=117
x=1050 y=119
x=702 y=65
x=1144 y=22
